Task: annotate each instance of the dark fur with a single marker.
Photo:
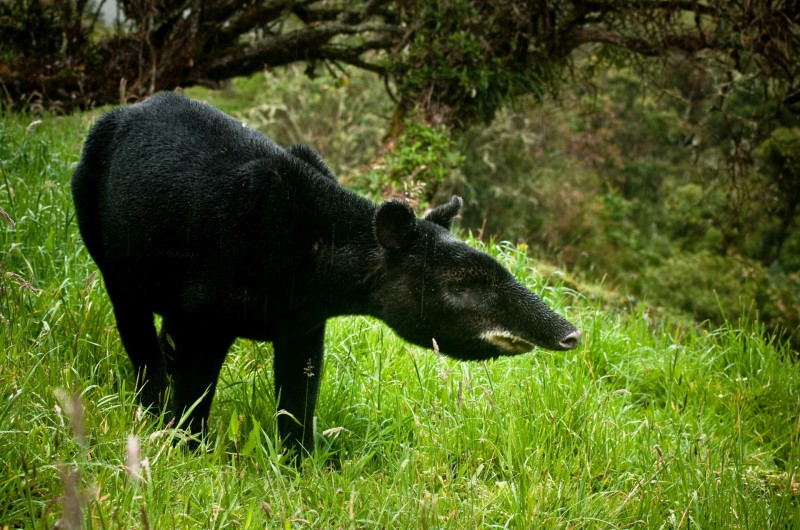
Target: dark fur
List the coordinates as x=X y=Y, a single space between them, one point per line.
x=197 y=218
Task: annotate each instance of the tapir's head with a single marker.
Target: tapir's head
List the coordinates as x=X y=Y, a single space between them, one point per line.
x=432 y=286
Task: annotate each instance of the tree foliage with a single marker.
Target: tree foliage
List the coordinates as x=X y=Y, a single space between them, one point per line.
x=689 y=203
x=458 y=60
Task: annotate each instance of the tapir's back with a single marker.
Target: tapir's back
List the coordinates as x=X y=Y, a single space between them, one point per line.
x=173 y=132
x=179 y=143
x=173 y=195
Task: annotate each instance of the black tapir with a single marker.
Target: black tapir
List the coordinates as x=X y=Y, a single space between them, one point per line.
x=198 y=218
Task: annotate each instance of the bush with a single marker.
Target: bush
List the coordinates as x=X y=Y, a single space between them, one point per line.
x=719 y=289
x=342 y=116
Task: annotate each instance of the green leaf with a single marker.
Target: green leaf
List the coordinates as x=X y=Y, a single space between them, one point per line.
x=253 y=439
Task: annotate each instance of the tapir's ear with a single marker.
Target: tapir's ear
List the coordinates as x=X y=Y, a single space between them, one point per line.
x=444 y=214
x=395 y=224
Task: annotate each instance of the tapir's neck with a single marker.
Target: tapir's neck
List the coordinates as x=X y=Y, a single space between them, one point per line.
x=345 y=252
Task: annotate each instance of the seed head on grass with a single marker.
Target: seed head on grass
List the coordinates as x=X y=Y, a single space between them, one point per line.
x=335 y=431
x=71 y=501
x=25 y=284
x=73 y=408
x=134 y=466
x=133 y=459
x=309 y=369
x=7 y=217
x=32 y=125
x=444 y=373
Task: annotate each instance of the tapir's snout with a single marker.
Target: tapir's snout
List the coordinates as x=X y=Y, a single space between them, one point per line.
x=511 y=343
x=530 y=322
x=570 y=341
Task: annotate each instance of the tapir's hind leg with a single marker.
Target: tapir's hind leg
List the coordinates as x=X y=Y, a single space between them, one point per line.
x=194 y=352
x=298 y=370
x=138 y=333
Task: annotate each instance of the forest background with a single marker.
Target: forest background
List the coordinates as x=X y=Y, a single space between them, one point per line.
x=652 y=146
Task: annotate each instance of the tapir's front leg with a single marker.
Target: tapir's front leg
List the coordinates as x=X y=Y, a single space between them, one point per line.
x=298 y=369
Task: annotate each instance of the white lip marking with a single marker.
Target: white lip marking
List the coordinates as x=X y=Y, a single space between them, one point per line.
x=507 y=340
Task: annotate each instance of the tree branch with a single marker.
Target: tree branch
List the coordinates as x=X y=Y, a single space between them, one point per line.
x=304 y=44
x=689 y=41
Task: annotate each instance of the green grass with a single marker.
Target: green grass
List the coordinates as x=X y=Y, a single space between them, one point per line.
x=642 y=427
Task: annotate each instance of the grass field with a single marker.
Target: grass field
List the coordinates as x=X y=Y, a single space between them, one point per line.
x=643 y=426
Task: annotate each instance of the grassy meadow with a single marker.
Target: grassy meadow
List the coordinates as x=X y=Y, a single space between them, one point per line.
x=646 y=425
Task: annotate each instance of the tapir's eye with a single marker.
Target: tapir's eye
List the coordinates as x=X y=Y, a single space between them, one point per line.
x=458 y=288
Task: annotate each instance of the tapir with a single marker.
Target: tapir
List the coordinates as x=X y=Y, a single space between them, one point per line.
x=192 y=215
